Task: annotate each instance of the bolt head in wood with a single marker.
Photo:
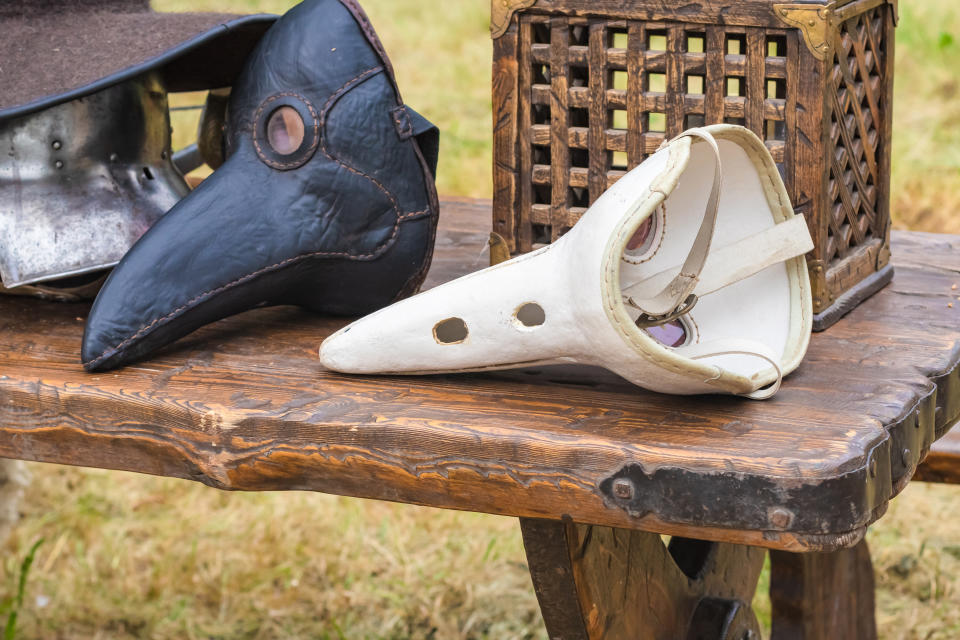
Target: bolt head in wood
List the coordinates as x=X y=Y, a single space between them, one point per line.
x=624 y=489
x=781 y=518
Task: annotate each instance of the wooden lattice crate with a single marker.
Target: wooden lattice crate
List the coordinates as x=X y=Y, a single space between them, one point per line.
x=584 y=90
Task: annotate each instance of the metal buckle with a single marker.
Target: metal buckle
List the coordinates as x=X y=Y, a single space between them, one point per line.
x=646 y=320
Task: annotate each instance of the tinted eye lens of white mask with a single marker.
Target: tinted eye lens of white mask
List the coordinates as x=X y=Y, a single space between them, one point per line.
x=670 y=334
x=643 y=243
x=641 y=235
x=285 y=130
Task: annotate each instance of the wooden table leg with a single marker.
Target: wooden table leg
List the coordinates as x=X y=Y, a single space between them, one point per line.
x=816 y=596
x=598 y=582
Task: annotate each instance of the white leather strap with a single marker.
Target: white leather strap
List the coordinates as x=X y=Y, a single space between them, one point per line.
x=739 y=260
x=676 y=292
x=739 y=347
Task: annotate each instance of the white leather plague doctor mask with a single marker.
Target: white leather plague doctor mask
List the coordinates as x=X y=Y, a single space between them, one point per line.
x=683 y=278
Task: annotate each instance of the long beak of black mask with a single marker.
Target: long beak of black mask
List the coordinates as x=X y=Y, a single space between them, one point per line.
x=326 y=199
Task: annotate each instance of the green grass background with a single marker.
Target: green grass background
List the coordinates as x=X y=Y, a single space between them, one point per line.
x=130 y=556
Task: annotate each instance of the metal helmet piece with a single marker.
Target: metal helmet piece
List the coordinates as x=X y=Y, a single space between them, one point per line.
x=85 y=164
x=80 y=182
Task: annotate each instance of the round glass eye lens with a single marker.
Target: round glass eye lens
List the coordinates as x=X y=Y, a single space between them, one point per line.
x=285 y=130
x=671 y=334
x=641 y=235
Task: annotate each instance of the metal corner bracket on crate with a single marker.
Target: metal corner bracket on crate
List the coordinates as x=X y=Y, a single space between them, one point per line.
x=501 y=11
x=814 y=20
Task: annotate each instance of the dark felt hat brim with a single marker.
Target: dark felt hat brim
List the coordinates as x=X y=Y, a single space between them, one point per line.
x=46 y=59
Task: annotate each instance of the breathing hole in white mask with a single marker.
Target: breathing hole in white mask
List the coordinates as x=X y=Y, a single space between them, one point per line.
x=451 y=331
x=530 y=315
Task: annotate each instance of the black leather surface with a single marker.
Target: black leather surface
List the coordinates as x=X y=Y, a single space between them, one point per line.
x=344 y=225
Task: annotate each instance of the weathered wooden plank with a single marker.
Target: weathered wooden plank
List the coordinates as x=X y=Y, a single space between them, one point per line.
x=793 y=71
x=673 y=110
x=743 y=12
x=559 y=122
x=811 y=172
x=505 y=88
x=244 y=404
x=756 y=82
x=883 y=219
x=713 y=82
x=524 y=142
x=579 y=176
x=599 y=119
x=695 y=62
x=635 y=70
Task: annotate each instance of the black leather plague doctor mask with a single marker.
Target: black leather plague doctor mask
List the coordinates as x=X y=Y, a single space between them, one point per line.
x=325 y=199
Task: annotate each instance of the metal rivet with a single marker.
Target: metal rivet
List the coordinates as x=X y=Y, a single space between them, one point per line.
x=624 y=489
x=906 y=455
x=58 y=164
x=163 y=155
x=113 y=157
x=57 y=145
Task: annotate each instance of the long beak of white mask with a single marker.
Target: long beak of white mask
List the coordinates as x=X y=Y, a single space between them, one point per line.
x=687 y=276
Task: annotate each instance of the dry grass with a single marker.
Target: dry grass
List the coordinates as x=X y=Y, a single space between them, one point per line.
x=926 y=142
x=130 y=556
x=916 y=556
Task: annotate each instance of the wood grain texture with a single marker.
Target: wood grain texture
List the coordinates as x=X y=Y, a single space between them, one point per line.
x=599 y=121
x=741 y=13
x=559 y=125
x=823 y=596
x=245 y=404
x=601 y=583
x=848 y=300
x=505 y=77
x=858 y=91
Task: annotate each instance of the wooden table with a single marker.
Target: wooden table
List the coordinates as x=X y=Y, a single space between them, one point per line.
x=594 y=468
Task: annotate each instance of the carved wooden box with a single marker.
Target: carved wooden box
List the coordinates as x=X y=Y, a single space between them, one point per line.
x=584 y=90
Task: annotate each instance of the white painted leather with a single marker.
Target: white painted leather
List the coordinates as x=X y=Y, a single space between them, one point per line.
x=750 y=325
